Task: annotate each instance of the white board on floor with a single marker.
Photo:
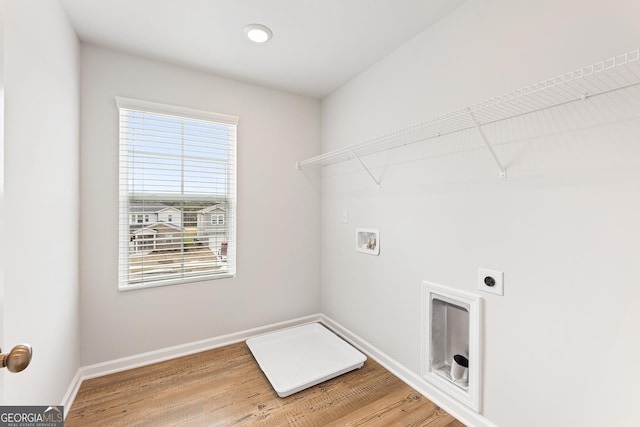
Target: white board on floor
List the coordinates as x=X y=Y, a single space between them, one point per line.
x=297 y=358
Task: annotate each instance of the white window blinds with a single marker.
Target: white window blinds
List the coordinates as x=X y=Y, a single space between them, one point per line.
x=177 y=177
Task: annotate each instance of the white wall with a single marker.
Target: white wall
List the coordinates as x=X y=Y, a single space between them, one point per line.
x=40 y=242
x=563 y=226
x=278 y=213
x=2 y=7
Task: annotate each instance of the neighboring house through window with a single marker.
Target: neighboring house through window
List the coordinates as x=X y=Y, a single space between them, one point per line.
x=177 y=167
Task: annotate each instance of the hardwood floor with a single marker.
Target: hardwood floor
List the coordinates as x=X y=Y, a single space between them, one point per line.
x=225 y=387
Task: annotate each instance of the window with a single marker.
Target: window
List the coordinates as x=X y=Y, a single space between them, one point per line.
x=217 y=219
x=183 y=159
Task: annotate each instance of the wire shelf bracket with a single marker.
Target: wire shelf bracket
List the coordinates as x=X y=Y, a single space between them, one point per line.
x=502 y=170
x=619 y=73
x=366 y=168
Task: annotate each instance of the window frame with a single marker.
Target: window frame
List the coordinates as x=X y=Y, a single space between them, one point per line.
x=123 y=203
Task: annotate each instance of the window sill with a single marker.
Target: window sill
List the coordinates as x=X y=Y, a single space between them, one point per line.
x=171 y=282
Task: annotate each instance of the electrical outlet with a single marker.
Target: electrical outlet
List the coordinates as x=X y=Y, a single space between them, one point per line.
x=491 y=281
x=345 y=216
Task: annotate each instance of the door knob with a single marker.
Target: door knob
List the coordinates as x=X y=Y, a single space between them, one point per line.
x=18 y=358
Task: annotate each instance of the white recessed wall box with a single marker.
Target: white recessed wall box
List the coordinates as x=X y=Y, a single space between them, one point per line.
x=368 y=241
x=452 y=342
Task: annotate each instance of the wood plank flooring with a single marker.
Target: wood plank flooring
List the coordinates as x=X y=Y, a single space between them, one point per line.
x=225 y=387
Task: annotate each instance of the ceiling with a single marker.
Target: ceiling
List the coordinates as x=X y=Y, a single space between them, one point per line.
x=317 y=45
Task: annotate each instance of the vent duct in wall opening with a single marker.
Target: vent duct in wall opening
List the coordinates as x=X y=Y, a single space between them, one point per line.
x=452 y=342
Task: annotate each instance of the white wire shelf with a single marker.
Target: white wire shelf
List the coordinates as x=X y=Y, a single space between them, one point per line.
x=613 y=74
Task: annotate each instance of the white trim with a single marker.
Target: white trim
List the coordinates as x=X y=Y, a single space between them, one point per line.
x=161 y=355
x=192 y=113
x=430 y=291
x=453 y=407
x=151 y=357
x=72 y=391
x=460 y=411
x=172 y=282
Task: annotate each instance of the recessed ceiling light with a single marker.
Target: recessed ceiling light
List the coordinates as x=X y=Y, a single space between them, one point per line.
x=258 y=33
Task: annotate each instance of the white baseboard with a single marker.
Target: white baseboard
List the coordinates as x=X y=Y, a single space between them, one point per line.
x=144 y=359
x=70 y=395
x=453 y=407
x=456 y=409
